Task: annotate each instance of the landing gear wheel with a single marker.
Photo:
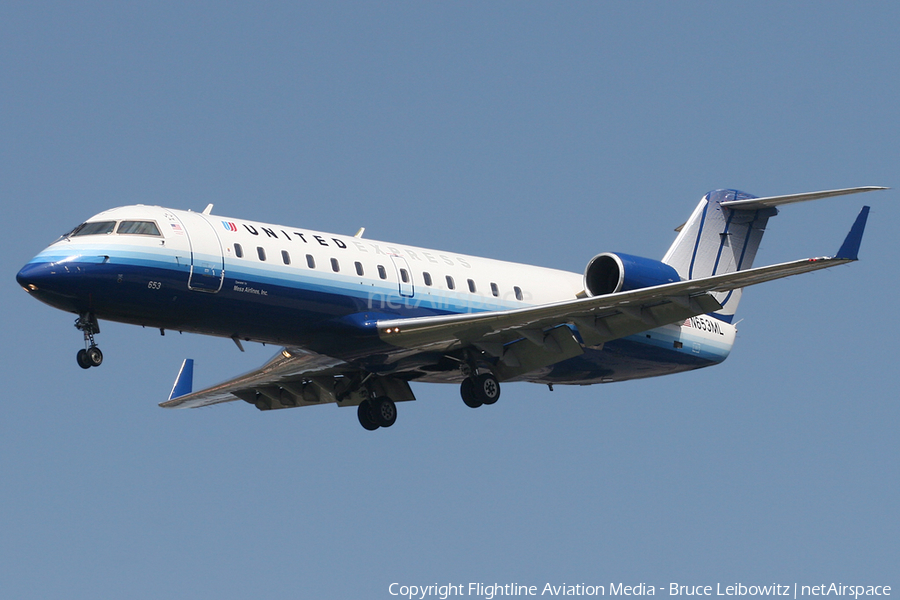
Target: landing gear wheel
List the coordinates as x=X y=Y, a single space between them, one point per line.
x=94 y=356
x=366 y=416
x=82 y=359
x=91 y=355
x=385 y=411
x=486 y=388
x=467 y=391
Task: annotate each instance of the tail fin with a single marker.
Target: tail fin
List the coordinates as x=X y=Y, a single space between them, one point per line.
x=724 y=233
x=718 y=240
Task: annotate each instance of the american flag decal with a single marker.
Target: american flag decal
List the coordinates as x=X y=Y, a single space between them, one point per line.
x=177 y=228
x=687 y=323
x=229 y=226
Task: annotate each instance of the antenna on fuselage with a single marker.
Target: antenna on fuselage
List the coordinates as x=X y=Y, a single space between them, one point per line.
x=208 y=209
x=359 y=233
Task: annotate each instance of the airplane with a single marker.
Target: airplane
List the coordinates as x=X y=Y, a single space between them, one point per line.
x=358 y=320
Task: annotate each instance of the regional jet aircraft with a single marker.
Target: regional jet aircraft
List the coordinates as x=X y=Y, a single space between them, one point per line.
x=360 y=319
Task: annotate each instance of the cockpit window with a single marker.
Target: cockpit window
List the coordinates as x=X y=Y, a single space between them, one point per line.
x=138 y=228
x=95 y=228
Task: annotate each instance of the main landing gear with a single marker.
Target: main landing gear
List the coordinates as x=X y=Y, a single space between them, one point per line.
x=477 y=390
x=90 y=355
x=377 y=412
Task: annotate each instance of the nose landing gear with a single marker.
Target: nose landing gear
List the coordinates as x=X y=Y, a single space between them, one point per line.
x=90 y=355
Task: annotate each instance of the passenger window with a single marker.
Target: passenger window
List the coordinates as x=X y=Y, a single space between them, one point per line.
x=450 y=284
x=138 y=228
x=518 y=292
x=261 y=252
x=359 y=269
x=335 y=266
x=96 y=228
x=238 y=251
x=286 y=257
x=494 y=289
x=381 y=272
x=427 y=277
x=310 y=261
x=471 y=285
x=404 y=276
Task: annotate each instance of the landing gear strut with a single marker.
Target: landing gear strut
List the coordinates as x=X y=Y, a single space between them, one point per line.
x=90 y=355
x=477 y=390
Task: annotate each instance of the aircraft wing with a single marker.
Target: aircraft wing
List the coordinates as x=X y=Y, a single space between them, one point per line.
x=292 y=368
x=527 y=338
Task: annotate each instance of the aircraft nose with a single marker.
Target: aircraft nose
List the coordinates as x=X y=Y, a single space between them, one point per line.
x=32 y=276
x=65 y=283
x=47 y=282
x=41 y=279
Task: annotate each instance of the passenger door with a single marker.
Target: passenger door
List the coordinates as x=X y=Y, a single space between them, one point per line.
x=207 y=259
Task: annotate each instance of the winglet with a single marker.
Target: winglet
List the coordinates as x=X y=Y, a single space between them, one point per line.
x=850 y=248
x=184 y=383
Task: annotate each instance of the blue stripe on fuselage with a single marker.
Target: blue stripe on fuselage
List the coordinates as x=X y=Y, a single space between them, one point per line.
x=304 y=307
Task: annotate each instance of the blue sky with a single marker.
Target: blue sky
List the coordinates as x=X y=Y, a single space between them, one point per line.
x=539 y=132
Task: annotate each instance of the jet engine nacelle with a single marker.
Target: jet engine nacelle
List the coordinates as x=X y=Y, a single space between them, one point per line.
x=611 y=272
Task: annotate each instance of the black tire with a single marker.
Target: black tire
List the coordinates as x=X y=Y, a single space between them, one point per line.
x=385 y=411
x=486 y=388
x=364 y=413
x=467 y=391
x=94 y=356
x=82 y=359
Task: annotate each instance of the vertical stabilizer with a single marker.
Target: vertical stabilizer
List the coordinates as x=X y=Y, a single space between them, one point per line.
x=718 y=240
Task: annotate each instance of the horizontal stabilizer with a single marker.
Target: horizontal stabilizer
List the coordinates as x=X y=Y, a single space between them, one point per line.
x=184 y=383
x=771 y=201
x=850 y=247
